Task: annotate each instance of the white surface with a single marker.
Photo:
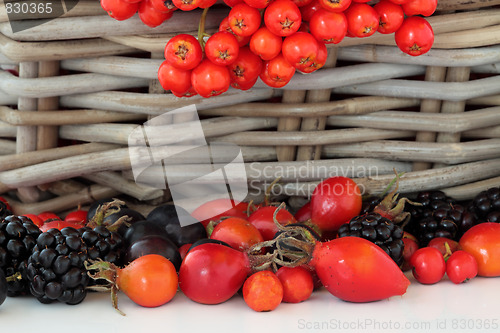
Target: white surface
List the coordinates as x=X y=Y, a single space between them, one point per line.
x=443 y=307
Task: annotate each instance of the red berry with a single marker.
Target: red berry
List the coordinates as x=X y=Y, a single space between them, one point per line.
x=262 y=291
x=297 y=282
x=461 y=266
x=428 y=265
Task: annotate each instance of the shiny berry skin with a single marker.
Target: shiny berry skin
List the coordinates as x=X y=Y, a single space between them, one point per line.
x=246 y=69
x=282 y=17
x=328 y=27
x=486 y=205
x=428 y=265
x=120 y=10
x=335 y=201
x=297 y=282
x=150 y=16
x=222 y=48
x=213 y=273
x=362 y=20
x=18 y=236
x=183 y=51
x=238 y=233
x=277 y=72
x=482 y=242
x=461 y=266
x=420 y=7
x=391 y=16
x=150 y=280
x=415 y=36
x=335 y=6
x=244 y=20
x=265 y=44
x=209 y=79
x=174 y=79
x=263 y=220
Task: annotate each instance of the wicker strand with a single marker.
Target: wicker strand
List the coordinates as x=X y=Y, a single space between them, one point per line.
x=356 y=105
x=123 y=133
x=465 y=4
x=468 y=191
x=26 y=135
x=428 y=152
x=450 y=91
x=288 y=153
x=58 y=50
x=14 y=161
x=456 y=74
x=156 y=104
x=122 y=185
x=69 y=201
x=147 y=68
x=411 y=121
x=47 y=136
x=413 y=181
x=64 y=117
x=429 y=106
x=7 y=147
x=317 y=123
x=64 y=85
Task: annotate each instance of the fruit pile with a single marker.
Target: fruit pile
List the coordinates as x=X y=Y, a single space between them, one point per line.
x=262 y=251
x=272 y=39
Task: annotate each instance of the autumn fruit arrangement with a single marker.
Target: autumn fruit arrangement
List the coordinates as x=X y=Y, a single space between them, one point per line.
x=271 y=39
x=360 y=249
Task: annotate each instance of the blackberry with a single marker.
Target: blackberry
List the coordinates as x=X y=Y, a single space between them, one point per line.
x=18 y=236
x=56 y=268
x=369 y=204
x=439 y=216
x=379 y=230
x=486 y=205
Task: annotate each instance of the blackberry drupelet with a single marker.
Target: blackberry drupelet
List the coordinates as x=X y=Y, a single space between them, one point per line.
x=486 y=205
x=429 y=201
x=369 y=204
x=56 y=268
x=379 y=230
x=18 y=236
x=439 y=216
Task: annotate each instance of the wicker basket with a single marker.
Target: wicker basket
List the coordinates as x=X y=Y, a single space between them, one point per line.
x=86 y=81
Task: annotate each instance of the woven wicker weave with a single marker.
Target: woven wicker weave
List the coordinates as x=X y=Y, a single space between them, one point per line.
x=86 y=81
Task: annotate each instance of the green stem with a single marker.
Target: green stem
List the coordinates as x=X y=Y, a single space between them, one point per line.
x=393 y=181
x=201 y=28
